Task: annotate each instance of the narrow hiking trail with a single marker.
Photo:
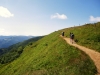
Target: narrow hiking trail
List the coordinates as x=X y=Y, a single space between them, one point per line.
x=95 y=56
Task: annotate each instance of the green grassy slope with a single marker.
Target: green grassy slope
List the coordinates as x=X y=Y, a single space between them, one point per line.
x=50 y=55
x=13 y=52
x=87 y=35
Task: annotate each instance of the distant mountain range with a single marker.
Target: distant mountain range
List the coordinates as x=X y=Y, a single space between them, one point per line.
x=6 y=41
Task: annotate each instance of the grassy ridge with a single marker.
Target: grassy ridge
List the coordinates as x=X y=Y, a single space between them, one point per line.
x=87 y=35
x=50 y=56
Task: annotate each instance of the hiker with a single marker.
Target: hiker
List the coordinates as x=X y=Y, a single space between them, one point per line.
x=72 y=37
x=62 y=33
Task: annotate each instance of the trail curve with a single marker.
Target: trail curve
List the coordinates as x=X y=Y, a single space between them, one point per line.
x=95 y=56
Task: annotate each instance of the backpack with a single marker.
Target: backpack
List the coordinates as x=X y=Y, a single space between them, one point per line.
x=72 y=36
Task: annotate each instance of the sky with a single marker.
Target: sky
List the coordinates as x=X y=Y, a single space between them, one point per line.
x=42 y=17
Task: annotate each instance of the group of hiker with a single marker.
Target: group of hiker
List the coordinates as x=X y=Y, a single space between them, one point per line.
x=71 y=37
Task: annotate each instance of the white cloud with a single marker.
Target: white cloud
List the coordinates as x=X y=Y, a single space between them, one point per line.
x=94 y=19
x=4 y=12
x=58 y=16
x=2 y=30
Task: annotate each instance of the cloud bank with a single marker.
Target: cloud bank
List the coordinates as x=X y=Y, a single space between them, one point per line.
x=4 y=12
x=2 y=30
x=58 y=16
x=94 y=19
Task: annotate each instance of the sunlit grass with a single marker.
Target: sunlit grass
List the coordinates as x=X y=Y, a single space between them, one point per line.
x=87 y=35
x=50 y=55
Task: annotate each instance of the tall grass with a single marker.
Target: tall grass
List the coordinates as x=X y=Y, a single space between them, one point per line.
x=50 y=55
x=87 y=35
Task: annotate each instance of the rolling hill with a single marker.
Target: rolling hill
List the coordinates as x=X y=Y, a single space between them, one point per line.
x=51 y=55
x=87 y=35
x=14 y=51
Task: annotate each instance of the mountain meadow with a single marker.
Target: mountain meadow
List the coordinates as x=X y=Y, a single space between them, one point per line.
x=51 y=55
x=87 y=35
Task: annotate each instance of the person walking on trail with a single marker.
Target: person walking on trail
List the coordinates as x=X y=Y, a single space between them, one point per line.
x=62 y=33
x=72 y=37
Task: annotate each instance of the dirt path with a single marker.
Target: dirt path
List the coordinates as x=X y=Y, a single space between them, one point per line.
x=95 y=56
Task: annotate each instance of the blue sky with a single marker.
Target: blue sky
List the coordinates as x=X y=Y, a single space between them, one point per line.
x=42 y=17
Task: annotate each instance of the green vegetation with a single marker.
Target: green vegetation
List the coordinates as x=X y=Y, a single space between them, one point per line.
x=50 y=55
x=14 y=51
x=87 y=35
